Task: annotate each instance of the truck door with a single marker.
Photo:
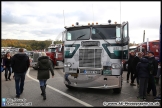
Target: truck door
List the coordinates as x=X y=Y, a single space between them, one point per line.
x=125 y=40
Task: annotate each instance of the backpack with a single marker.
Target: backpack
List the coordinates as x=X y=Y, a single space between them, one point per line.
x=151 y=67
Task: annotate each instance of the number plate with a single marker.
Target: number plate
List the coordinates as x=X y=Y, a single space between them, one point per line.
x=107 y=72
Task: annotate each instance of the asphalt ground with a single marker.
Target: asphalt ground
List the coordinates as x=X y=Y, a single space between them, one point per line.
x=58 y=95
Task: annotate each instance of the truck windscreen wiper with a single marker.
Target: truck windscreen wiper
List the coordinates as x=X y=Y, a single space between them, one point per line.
x=102 y=36
x=78 y=38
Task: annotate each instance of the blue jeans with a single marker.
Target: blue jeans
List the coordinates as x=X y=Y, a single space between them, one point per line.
x=19 y=82
x=42 y=82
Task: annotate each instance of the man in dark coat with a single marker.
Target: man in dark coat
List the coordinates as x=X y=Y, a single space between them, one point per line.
x=152 y=74
x=143 y=73
x=20 y=64
x=135 y=62
x=130 y=66
x=44 y=65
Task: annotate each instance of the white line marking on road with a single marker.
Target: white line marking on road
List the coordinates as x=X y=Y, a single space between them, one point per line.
x=67 y=95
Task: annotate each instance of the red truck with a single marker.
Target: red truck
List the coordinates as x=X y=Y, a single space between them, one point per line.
x=150 y=46
x=55 y=53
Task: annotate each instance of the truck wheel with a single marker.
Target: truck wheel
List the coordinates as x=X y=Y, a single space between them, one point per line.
x=117 y=90
x=34 y=68
x=53 y=66
x=69 y=87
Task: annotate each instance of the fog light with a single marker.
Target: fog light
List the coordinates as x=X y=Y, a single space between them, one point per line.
x=75 y=83
x=105 y=86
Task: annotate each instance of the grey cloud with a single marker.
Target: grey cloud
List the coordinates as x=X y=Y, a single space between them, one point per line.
x=150 y=22
x=47 y=31
x=9 y=18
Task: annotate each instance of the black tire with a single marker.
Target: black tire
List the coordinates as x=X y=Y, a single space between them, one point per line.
x=52 y=64
x=35 y=68
x=117 y=90
x=69 y=87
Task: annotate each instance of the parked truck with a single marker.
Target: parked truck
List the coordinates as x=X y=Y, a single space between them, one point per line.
x=93 y=55
x=54 y=52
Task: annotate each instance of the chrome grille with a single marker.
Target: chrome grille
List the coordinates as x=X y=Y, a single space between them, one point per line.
x=90 y=58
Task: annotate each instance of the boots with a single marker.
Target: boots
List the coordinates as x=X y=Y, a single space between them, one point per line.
x=9 y=76
x=43 y=92
x=41 y=89
x=6 y=77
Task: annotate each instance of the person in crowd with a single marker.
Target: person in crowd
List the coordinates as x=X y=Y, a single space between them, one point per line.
x=158 y=97
x=130 y=67
x=20 y=64
x=43 y=66
x=153 y=72
x=135 y=62
x=2 y=56
x=7 y=66
x=146 y=55
x=142 y=69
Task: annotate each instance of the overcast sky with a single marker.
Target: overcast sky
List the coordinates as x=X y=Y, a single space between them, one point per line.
x=45 y=20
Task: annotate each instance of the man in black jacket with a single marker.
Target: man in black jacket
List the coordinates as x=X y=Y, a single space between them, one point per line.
x=151 y=82
x=142 y=69
x=20 y=64
x=135 y=62
x=130 y=67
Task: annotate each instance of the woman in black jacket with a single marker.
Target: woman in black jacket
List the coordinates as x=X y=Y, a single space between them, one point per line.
x=143 y=74
x=44 y=65
x=7 y=65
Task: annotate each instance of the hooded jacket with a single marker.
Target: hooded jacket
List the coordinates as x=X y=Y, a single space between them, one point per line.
x=142 y=68
x=43 y=65
x=20 y=63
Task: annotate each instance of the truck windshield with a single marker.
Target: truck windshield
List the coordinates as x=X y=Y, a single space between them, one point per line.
x=106 y=32
x=51 y=49
x=75 y=33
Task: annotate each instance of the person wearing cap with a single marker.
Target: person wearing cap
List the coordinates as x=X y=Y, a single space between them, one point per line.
x=151 y=81
x=130 y=67
x=43 y=66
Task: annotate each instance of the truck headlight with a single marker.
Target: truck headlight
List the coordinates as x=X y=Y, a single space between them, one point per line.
x=67 y=64
x=115 y=66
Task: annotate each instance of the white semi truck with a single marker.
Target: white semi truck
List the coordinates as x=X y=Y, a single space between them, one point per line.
x=93 y=55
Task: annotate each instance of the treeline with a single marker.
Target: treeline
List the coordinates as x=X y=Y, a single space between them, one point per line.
x=28 y=44
x=31 y=44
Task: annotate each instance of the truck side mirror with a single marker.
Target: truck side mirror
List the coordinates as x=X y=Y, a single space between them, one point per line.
x=60 y=49
x=63 y=36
